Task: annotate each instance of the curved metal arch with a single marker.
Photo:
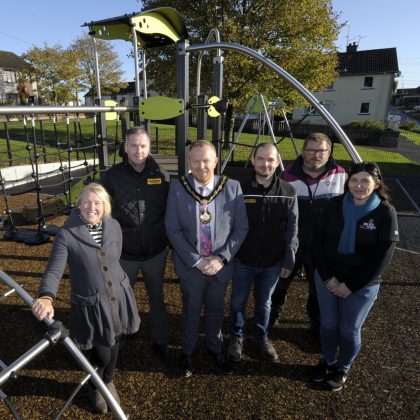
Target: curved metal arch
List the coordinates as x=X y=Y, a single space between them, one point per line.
x=78 y=356
x=293 y=82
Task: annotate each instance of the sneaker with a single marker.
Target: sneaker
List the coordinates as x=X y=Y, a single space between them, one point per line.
x=235 y=349
x=186 y=365
x=321 y=371
x=268 y=351
x=336 y=379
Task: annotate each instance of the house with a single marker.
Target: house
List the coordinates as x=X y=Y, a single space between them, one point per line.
x=407 y=97
x=123 y=96
x=12 y=90
x=362 y=90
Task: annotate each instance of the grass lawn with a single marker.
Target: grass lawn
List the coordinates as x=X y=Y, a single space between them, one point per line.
x=81 y=134
x=410 y=135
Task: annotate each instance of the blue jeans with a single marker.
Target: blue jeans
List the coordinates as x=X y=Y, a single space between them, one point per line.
x=264 y=281
x=341 y=322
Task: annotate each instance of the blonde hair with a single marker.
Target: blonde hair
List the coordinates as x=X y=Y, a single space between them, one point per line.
x=102 y=194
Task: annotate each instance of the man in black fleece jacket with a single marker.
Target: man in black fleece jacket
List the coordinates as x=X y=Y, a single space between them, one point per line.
x=268 y=250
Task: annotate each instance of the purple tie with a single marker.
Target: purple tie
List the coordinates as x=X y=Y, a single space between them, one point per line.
x=205 y=232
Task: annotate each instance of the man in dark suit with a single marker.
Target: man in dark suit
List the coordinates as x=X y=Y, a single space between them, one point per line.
x=206 y=222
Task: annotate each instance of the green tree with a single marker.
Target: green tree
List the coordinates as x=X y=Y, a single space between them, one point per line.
x=109 y=65
x=297 y=35
x=54 y=69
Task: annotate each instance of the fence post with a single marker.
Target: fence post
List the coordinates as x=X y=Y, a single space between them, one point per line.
x=44 y=150
x=9 y=149
x=101 y=138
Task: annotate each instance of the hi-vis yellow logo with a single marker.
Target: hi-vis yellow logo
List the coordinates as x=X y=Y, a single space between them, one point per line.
x=154 y=181
x=250 y=200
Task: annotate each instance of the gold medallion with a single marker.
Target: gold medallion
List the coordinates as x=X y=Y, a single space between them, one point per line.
x=205 y=216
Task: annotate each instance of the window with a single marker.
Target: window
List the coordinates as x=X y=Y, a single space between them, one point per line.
x=364 y=108
x=10 y=76
x=368 y=82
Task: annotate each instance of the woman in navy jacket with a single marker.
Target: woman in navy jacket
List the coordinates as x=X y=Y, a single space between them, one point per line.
x=354 y=243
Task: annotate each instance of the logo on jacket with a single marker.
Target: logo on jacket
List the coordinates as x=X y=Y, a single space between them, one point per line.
x=154 y=181
x=369 y=225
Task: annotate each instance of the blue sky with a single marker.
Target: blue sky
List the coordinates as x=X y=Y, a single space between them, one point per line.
x=372 y=24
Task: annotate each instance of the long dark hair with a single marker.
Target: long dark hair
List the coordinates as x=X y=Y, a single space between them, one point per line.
x=373 y=170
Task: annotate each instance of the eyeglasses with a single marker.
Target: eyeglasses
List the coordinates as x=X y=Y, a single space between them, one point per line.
x=315 y=151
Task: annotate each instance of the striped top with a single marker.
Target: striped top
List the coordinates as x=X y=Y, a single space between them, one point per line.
x=94 y=230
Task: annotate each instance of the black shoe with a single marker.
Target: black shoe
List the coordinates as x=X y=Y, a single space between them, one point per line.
x=222 y=363
x=321 y=371
x=186 y=366
x=336 y=379
x=162 y=351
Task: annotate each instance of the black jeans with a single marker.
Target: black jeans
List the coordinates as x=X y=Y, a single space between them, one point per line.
x=105 y=359
x=303 y=259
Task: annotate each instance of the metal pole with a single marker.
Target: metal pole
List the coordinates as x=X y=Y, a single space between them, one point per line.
x=97 y=74
x=217 y=123
x=232 y=148
x=202 y=118
x=71 y=347
x=181 y=122
x=270 y=128
x=136 y=99
x=25 y=110
x=101 y=121
x=216 y=34
x=292 y=81
x=289 y=130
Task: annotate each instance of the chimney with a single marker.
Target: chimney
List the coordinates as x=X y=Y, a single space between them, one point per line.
x=352 y=47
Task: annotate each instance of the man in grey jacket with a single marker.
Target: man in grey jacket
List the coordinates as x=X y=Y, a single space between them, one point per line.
x=206 y=223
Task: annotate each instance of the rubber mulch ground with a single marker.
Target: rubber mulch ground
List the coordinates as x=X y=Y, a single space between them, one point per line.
x=383 y=383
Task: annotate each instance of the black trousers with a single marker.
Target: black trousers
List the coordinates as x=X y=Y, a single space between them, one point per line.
x=104 y=358
x=303 y=259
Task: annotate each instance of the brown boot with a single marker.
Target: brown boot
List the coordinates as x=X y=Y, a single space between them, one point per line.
x=113 y=391
x=97 y=401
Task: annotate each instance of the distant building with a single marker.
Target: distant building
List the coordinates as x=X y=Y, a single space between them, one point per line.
x=410 y=96
x=10 y=91
x=124 y=95
x=363 y=89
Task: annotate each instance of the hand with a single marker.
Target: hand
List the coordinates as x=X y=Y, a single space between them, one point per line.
x=332 y=284
x=42 y=308
x=342 y=291
x=285 y=273
x=210 y=266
